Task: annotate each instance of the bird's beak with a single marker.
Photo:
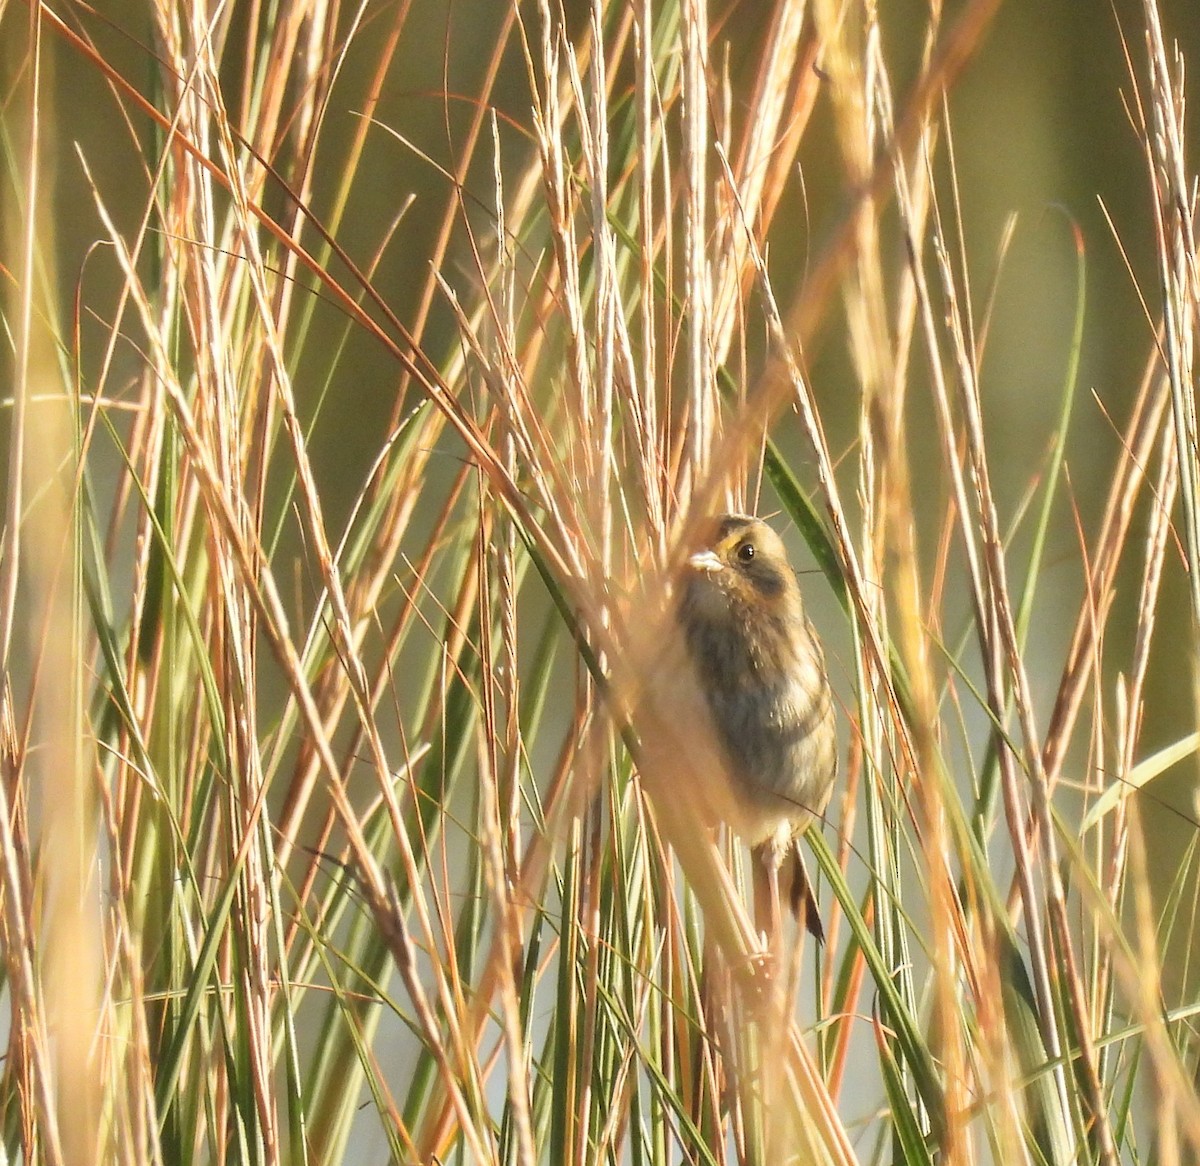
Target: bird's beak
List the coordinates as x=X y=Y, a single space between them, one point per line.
x=707 y=561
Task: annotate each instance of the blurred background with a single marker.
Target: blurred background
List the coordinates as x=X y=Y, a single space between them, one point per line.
x=1042 y=139
x=1053 y=184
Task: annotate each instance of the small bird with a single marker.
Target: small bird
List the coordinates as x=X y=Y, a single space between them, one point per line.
x=761 y=670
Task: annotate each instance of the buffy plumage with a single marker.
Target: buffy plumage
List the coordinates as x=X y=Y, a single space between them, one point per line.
x=759 y=664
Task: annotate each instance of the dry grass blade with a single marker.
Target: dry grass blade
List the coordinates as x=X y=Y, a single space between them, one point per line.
x=361 y=797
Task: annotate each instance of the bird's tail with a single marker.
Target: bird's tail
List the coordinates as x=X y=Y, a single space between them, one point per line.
x=787 y=882
x=801 y=898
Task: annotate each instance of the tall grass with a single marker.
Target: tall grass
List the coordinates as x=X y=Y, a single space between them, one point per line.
x=351 y=833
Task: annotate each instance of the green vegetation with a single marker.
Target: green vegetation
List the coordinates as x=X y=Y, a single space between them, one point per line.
x=345 y=479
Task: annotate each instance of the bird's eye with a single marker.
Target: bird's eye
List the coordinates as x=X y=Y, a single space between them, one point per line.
x=745 y=552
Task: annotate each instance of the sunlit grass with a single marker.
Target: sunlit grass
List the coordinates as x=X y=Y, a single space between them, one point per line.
x=339 y=831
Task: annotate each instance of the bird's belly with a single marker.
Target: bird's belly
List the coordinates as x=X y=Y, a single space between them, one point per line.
x=780 y=749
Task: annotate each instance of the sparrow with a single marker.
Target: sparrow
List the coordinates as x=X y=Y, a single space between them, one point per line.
x=759 y=665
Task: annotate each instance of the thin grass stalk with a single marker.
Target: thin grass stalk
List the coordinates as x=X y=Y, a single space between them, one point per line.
x=455 y=208
x=401 y=466
x=866 y=125
x=1112 y=858
x=1178 y=273
x=968 y=496
x=1138 y=964
x=273 y=621
x=782 y=96
x=645 y=377
x=579 y=463
x=1128 y=479
x=497 y=850
x=1059 y=926
x=212 y=301
x=54 y=961
x=701 y=401
x=302 y=40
